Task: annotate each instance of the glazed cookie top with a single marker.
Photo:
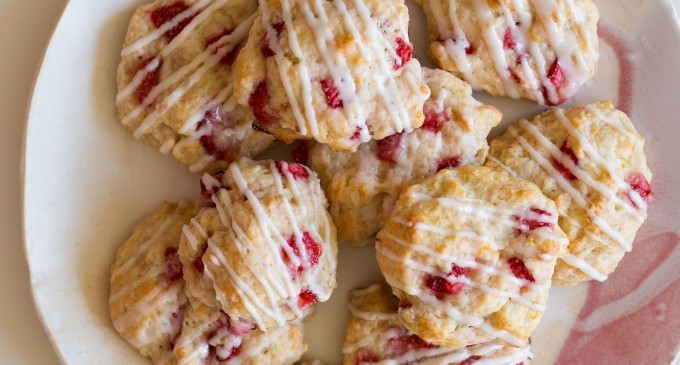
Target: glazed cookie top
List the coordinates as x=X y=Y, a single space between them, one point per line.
x=542 y=51
x=340 y=72
x=363 y=186
x=147 y=291
x=590 y=161
x=374 y=334
x=174 y=81
x=267 y=249
x=470 y=253
x=209 y=336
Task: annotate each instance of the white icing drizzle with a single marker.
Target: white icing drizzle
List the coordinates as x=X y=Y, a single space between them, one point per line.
x=501 y=165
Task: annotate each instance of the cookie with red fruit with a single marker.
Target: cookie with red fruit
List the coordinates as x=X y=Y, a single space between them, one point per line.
x=590 y=161
x=174 y=81
x=470 y=253
x=338 y=72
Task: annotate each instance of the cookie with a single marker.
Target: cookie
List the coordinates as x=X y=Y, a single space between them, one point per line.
x=339 y=72
x=590 y=161
x=147 y=298
x=470 y=253
x=542 y=51
x=209 y=337
x=363 y=186
x=174 y=81
x=374 y=334
x=266 y=252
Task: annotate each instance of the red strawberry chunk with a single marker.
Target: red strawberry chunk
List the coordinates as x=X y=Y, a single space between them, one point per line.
x=312 y=248
x=300 y=153
x=639 y=183
x=469 y=360
x=229 y=58
x=519 y=269
x=527 y=224
x=567 y=150
x=307 y=299
x=458 y=271
x=151 y=79
x=470 y=49
x=258 y=101
x=397 y=346
x=167 y=13
x=173 y=266
x=365 y=355
x=217 y=137
x=404 y=52
x=434 y=119
x=298 y=171
x=332 y=94
x=356 y=134
x=441 y=287
x=514 y=76
x=556 y=77
x=448 y=162
x=508 y=41
x=389 y=148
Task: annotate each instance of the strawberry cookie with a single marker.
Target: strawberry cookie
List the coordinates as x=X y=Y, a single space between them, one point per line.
x=375 y=334
x=363 y=186
x=542 y=51
x=147 y=297
x=590 y=161
x=265 y=251
x=174 y=81
x=340 y=72
x=470 y=253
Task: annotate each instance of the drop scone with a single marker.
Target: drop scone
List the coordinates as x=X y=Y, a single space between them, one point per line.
x=470 y=253
x=266 y=251
x=147 y=297
x=363 y=186
x=174 y=81
x=542 y=50
x=590 y=161
x=375 y=334
x=151 y=311
x=340 y=72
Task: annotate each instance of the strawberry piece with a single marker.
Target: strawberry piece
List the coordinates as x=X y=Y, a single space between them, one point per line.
x=441 y=287
x=239 y=327
x=300 y=153
x=258 y=101
x=332 y=94
x=173 y=266
x=167 y=13
x=298 y=171
x=205 y=199
x=469 y=360
x=567 y=150
x=529 y=224
x=469 y=48
x=389 y=148
x=519 y=269
x=448 y=162
x=404 y=52
x=397 y=346
x=216 y=136
x=556 y=77
x=433 y=118
x=508 y=41
x=229 y=58
x=365 y=355
x=639 y=183
x=151 y=79
x=307 y=299
x=458 y=271
x=514 y=76
x=264 y=44
x=312 y=248
x=356 y=134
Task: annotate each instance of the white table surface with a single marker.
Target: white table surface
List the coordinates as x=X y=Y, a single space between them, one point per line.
x=25 y=28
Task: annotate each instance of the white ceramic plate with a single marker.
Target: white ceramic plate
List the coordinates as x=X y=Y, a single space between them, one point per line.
x=87 y=181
